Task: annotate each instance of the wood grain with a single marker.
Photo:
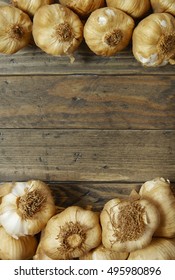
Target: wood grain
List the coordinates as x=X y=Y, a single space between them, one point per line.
x=86 y=155
x=88 y=101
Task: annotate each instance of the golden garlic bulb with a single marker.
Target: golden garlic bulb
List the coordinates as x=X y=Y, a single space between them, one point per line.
x=135 y=8
x=154 y=40
x=83 y=7
x=71 y=233
x=15 y=29
x=108 y=31
x=57 y=30
x=26 y=209
x=158 y=249
x=163 y=6
x=159 y=192
x=128 y=225
x=101 y=253
x=30 y=6
x=23 y=248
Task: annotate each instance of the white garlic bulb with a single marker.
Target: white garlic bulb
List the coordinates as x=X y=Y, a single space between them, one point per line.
x=15 y=29
x=163 y=6
x=30 y=6
x=27 y=208
x=154 y=40
x=134 y=8
x=57 y=30
x=108 y=31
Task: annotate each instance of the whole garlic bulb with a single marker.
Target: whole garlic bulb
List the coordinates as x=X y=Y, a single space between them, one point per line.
x=163 y=6
x=15 y=29
x=108 y=31
x=134 y=8
x=154 y=40
x=71 y=233
x=30 y=6
x=16 y=249
x=26 y=209
x=57 y=30
x=158 y=249
x=158 y=191
x=128 y=225
x=81 y=7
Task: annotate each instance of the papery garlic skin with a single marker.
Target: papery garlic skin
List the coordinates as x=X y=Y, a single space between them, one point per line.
x=101 y=253
x=23 y=248
x=128 y=225
x=71 y=233
x=15 y=29
x=154 y=39
x=30 y=6
x=83 y=7
x=27 y=208
x=163 y=6
x=57 y=30
x=159 y=192
x=134 y=8
x=108 y=31
x=158 y=249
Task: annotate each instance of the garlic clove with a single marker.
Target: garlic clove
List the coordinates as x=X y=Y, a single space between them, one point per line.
x=30 y=6
x=108 y=31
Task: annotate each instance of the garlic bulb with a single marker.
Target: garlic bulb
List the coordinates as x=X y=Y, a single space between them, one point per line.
x=154 y=40
x=27 y=208
x=101 y=253
x=158 y=249
x=71 y=233
x=30 y=6
x=40 y=254
x=163 y=6
x=128 y=225
x=57 y=30
x=15 y=29
x=158 y=191
x=81 y=7
x=16 y=249
x=108 y=31
x=134 y=8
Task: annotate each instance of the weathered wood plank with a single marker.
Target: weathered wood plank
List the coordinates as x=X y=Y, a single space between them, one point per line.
x=109 y=102
x=86 y=155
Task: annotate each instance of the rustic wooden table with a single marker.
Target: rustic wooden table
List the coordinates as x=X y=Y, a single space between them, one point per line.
x=92 y=130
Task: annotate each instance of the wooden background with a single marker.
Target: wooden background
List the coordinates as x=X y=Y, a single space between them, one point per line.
x=92 y=130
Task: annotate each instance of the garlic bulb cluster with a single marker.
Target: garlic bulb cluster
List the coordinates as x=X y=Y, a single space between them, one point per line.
x=57 y=30
x=81 y=7
x=134 y=8
x=158 y=249
x=16 y=249
x=159 y=192
x=128 y=225
x=15 y=29
x=30 y=6
x=154 y=40
x=108 y=31
x=71 y=233
x=26 y=209
x=163 y=6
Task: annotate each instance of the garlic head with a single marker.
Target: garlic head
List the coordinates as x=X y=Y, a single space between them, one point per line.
x=57 y=30
x=30 y=6
x=71 y=233
x=159 y=192
x=128 y=225
x=163 y=6
x=16 y=249
x=15 y=29
x=134 y=8
x=81 y=7
x=27 y=208
x=154 y=39
x=108 y=31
